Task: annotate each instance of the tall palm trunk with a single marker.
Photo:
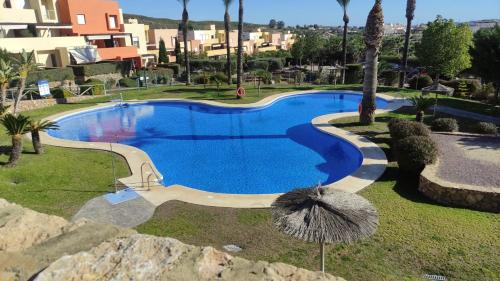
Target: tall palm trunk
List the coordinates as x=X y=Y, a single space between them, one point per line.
x=227 y=25
x=19 y=95
x=17 y=149
x=344 y=45
x=410 y=13
x=185 y=21
x=374 y=32
x=239 y=67
x=37 y=143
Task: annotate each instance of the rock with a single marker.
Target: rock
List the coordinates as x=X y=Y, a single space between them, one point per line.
x=232 y=248
x=34 y=227
x=143 y=257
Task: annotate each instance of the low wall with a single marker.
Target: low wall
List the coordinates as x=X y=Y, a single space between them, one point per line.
x=457 y=195
x=27 y=105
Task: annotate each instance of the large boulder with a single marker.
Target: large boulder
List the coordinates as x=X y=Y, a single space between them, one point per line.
x=143 y=257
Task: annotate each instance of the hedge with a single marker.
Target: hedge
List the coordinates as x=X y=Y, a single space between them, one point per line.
x=445 y=125
x=88 y=70
x=61 y=93
x=354 y=73
x=415 y=152
x=391 y=77
x=208 y=65
x=269 y=64
x=174 y=66
x=52 y=75
x=473 y=85
x=128 y=82
x=420 y=81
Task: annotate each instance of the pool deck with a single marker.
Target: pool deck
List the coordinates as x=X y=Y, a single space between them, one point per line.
x=373 y=166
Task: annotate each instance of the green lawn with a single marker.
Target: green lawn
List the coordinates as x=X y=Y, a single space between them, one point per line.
x=415 y=235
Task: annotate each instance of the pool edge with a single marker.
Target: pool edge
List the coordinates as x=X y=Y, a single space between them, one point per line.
x=373 y=165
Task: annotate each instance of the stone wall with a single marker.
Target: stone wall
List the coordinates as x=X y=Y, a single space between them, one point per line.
x=27 y=105
x=459 y=196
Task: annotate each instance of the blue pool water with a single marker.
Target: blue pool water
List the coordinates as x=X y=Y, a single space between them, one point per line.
x=266 y=150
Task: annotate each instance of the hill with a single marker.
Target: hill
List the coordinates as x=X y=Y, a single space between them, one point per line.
x=171 y=23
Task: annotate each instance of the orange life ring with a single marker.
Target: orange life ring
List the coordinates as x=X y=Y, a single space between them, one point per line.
x=241 y=92
x=360 y=108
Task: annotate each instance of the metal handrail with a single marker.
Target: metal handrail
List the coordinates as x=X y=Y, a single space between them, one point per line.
x=147 y=164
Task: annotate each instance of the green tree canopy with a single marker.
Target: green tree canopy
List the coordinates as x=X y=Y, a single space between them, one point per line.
x=486 y=54
x=273 y=23
x=162 y=56
x=444 y=48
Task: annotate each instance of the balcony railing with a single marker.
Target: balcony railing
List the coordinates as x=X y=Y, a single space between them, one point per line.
x=19 y=16
x=118 y=53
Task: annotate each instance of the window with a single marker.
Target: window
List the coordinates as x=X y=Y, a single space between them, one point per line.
x=7 y=4
x=80 y=19
x=112 y=22
x=135 y=42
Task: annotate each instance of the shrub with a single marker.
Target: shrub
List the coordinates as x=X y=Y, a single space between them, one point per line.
x=445 y=125
x=97 y=87
x=219 y=76
x=415 y=152
x=473 y=86
x=207 y=65
x=420 y=81
x=61 y=93
x=110 y=83
x=128 y=83
x=176 y=68
x=354 y=73
x=404 y=128
x=87 y=70
x=160 y=75
x=486 y=128
x=52 y=75
x=258 y=64
x=391 y=78
x=266 y=76
x=484 y=92
x=269 y=64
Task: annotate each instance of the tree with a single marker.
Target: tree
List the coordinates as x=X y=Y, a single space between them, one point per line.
x=421 y=104
x=35 y=129
x=486 y=56
x=298 y=50
x=313 y=44
x=162 y=55
x=178 y=52
x=410 y=14
x=16 y=127
x=227 y=28
x=344 y=4
x=240 y=46
x=24 y=64
x=7 y=74
x=185 y=22
x=273 y=24
x=444 y=48
x=374 y=32
x=281 y=24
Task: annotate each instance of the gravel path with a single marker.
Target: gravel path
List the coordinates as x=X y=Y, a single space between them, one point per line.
x=466 y=159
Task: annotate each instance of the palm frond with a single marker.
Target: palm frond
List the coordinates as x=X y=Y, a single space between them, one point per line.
x=343 y=3
x=421 y=103
x=227 y=3
x=44 y=125
x=16 y=125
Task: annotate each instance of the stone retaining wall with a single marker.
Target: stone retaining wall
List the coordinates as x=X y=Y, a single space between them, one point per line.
x=27 y=105
x=459 y=196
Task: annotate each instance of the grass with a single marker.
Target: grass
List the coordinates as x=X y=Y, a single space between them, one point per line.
x=415 y=235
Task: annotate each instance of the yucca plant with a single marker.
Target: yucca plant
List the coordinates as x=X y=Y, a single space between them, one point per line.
x=7 y=74
x=3 y=110
x=421 y=104
x=16 y=127
x=40 y=126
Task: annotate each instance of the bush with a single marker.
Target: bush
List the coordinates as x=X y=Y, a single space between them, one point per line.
x=160 y=75
x=208 y=65
x=128 y=83
x=354 y=73
x=445 y=125
x=176 y=68
x=485 y=92
x=391 y=77
x=219 y=76
x=486 y=128
x=88 y=70
x=110 y=83
x=61 y=93
x=412 y=61
x=419 y=82
x=401 y=129
x=415 y=152
x=266 y=76
x=258 y=64
x=269 y=64
x=52 y=75
x=96 y=87
x=473 y=86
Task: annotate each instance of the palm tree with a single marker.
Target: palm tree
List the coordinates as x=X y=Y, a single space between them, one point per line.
x=344 y=4
x=16 y=127
x=410 y=14
x=374 y=32
x=239 y=67
x=7 y=74
x=3 y=110
x=25 y=63
x=421 y=104
x=185 y=22
x=227 y=26
x=36 y=128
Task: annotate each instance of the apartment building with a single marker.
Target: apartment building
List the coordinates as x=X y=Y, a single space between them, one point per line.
x=169 y=36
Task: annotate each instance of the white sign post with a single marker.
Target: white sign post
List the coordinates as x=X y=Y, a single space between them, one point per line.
x=43 y=88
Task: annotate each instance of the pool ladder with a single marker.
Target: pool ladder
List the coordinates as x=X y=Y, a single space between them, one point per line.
x=149 y=175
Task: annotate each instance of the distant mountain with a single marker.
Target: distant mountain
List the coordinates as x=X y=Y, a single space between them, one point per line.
x=171 y=23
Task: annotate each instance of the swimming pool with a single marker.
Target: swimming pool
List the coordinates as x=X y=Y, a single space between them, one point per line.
x=263 y=150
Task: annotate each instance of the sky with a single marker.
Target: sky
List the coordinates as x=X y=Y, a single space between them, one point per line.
x=322 y=12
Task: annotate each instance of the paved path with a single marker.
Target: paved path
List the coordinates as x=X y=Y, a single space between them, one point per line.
x=468 y=114
x=127 y=214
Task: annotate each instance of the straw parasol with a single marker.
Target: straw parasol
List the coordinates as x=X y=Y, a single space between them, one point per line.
x=323 y=215
x=438 y=88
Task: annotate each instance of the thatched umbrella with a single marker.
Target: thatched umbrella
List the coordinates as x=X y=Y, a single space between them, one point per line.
x=438 y=88
x=323 y=215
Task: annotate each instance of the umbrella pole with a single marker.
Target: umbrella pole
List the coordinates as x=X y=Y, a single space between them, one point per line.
x=322 y=254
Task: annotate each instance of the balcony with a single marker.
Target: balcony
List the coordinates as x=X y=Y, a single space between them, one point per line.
x=218 y=52
x=118 y=53
x=266 y=49
x=17 y=16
